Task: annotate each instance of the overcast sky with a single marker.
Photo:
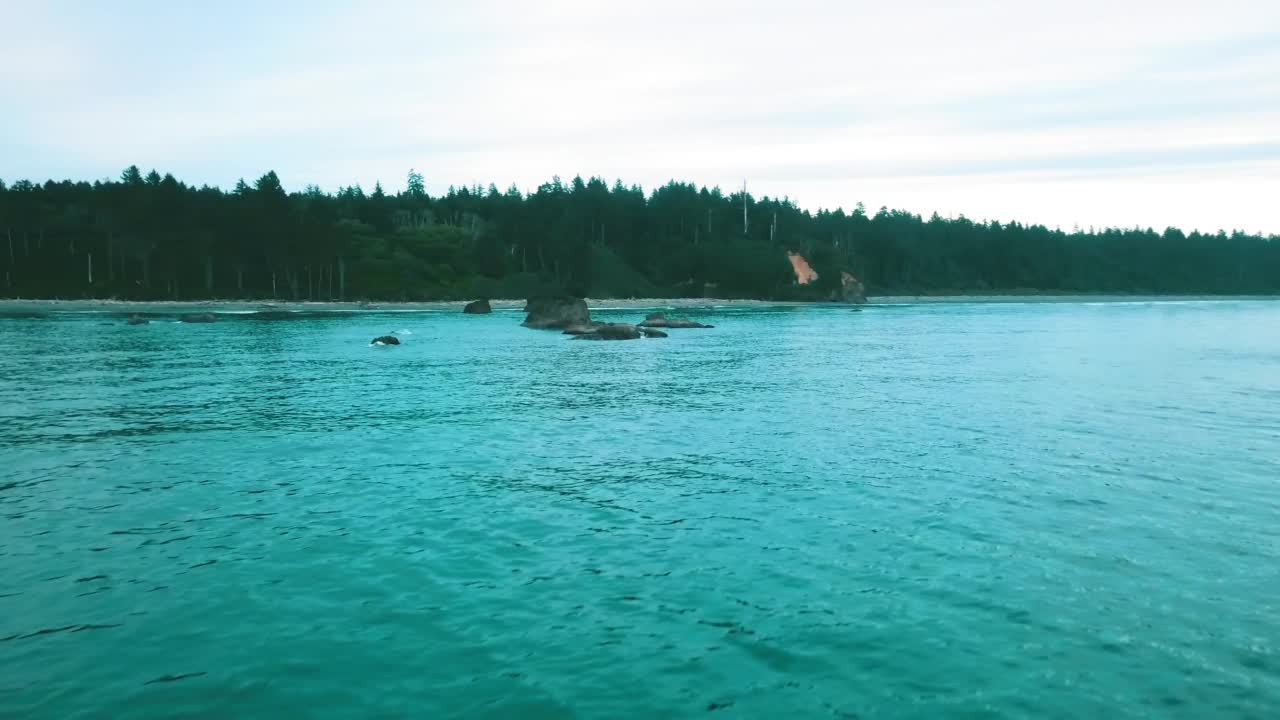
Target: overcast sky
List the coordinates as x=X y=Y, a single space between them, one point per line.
x=1092 y=113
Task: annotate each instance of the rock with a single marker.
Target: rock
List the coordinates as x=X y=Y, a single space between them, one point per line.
x=658 y=320
x=652 y=333
x=611 y=331
x=197 y=318
x=851 y=290
x=479 y=307
x=137 y=320
x=556 y=313
x=582 y=329
x=385 y=340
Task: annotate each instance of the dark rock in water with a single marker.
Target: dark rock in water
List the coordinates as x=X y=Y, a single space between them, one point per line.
x=652 y=333
x=611 y=331
x=556 y=313
x=583 y=329
x=658 y=320
x=385 y=340
x=137 y=320
x=197 y=318
x=479 y=307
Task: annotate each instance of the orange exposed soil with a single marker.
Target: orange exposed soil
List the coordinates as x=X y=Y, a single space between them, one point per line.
x=804 y=273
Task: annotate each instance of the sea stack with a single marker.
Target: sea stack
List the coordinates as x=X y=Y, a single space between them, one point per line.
x=479 y=307
x=556 y=313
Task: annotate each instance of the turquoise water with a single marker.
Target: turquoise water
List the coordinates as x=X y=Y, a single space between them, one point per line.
x=971 y=510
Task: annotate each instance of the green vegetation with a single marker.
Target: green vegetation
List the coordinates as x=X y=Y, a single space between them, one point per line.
x=154 y=237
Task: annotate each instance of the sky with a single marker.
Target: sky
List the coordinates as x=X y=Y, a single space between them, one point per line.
x=1112 y=113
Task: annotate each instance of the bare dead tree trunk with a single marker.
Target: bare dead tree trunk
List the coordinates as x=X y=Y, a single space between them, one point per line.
x=90 y=256
x=273 y=283
x=744 y=207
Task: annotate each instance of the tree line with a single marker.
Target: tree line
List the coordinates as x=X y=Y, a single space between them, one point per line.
x=155 y=237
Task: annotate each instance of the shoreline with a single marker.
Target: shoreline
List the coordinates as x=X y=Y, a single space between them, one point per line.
x=18 y=306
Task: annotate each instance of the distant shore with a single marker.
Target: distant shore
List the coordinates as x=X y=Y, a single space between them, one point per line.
x=21 y=306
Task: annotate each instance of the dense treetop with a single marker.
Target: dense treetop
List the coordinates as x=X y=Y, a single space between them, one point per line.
x=154 y=237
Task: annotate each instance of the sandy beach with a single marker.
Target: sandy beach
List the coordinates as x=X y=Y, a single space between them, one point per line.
x=18 y=306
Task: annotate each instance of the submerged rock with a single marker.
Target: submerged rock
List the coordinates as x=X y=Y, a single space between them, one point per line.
x=385 y=340
x=479 y=307
x=659 y=320
x=137 y=320
x=611 y=331
x=197 y=318
x=652 y=333
x=556 y=313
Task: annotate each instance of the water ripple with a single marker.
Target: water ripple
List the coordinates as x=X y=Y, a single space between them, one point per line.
x=963 y=510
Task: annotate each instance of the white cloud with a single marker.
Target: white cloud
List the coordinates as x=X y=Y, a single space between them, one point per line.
x=1091 y=112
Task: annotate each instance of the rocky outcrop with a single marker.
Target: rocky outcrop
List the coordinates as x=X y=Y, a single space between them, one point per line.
x=582 y=329
x=652 y=333
x=137 y=320
x=385 y=340
x=611 y=331
x=556 y=313
x=659 y=320
x=851 y=290
x=479 y=307
x=197 y=318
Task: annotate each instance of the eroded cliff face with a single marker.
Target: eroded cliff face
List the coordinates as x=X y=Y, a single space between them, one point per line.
x=851 y=288
x=804 y=273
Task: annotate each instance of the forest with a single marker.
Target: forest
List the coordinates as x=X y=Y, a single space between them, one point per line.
x=155 y=237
